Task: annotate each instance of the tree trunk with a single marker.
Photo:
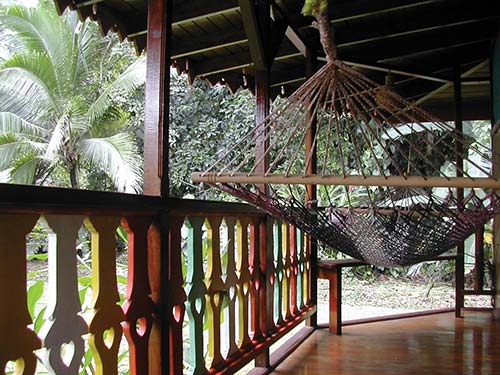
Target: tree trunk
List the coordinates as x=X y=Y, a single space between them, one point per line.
x=325 y=33
x=73 y=177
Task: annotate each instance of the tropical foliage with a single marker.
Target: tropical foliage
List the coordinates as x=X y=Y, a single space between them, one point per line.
x=63 y=117
x=205 y=121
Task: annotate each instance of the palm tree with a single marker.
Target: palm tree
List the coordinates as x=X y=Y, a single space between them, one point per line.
x=60 y=94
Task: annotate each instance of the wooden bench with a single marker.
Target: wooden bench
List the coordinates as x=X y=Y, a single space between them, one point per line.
x=331 y=270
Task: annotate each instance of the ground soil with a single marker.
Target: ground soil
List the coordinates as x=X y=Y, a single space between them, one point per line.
x=383 y=296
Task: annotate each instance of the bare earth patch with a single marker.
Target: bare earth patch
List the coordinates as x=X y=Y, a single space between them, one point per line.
x=363 y=299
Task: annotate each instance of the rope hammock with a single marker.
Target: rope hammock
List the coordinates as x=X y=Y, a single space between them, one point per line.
x=395 y=185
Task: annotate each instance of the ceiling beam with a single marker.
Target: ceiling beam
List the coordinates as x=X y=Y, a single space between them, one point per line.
x=188 y=11
x=467 y=23
x=281 y=77
x=448 y=85
x=398 y=46
x=192 y=46
x=443 y=16
x=387 y=69
x=237 y=61
x=438 y=64
x=253 y=33
x=359 y=9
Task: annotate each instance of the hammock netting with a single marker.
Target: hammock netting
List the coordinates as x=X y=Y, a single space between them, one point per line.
x=394 y=185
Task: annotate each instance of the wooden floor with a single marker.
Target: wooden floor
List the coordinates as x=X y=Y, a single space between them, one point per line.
x=434 y=344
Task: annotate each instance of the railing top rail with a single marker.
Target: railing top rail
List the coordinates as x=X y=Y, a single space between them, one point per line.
x=191 y=207
x=44 y=200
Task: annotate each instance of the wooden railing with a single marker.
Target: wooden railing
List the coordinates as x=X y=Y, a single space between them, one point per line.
x=245 y=284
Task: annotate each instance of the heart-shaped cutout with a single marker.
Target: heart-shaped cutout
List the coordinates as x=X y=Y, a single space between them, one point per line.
x=14 y=367
x=67 y=352
x=177 y=313
x=141 y=325
x=108 y=337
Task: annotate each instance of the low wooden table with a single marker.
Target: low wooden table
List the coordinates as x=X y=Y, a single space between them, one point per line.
x=332 y=271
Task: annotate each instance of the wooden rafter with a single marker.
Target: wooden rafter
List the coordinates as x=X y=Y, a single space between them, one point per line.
x=252 y=30
x=187 y=47
x=438 y=18
x=397 y=46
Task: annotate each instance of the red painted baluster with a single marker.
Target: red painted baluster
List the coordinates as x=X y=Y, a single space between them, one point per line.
x=255 y=283
x=154 y=270
x=279 y=274
x=138 y=306
x=176 y=295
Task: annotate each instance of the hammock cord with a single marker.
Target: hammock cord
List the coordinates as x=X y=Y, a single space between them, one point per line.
x=363 y=129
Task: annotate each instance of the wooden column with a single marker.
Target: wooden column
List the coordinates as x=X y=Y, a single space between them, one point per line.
x=156 y=176
x=459 y=262
x=495 y=141
x=157 y=98
x=257 y=23
x=479 y=259
x=311 y=190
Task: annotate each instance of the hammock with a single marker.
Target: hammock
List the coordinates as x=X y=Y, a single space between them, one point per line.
x=395 y=185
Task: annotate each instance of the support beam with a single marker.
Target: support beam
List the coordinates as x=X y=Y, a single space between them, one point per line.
x=237 y=61
x=311 y=189
x=254 y=32
x=187 y=11
x=448 y=85
x=157 y=99
x=192 y=46
x=495 y=142
x=426 y=41
x=299 y=179
x=262 y=77
x=438 y=18
x=459 y=261
x=358 y=9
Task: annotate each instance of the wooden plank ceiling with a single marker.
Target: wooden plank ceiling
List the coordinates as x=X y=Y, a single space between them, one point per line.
x=418 y=41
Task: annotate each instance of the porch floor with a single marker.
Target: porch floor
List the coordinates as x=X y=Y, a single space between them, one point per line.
x=435 y=344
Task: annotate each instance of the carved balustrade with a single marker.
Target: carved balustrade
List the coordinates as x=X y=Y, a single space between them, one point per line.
x=209 y=286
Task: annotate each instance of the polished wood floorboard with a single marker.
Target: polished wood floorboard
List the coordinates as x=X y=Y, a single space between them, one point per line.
x=434 y=344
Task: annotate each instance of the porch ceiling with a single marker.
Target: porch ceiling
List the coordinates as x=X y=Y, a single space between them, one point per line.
x=420 y=41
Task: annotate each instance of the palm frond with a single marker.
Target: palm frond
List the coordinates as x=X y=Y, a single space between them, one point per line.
x=25 y=169
x=11 y=148
x=34 y=29
x=28 y=76
x=57 y=138
x=118 y=156
x=133 y=77
x=12 y=123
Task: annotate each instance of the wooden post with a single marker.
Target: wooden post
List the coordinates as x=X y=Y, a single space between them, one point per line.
x=495 y=142
x=459 y=262
x=259 y=48
x=479 y=259
x=156 y=176
x=311 y=190
x=157 y=98
x=262 y=105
